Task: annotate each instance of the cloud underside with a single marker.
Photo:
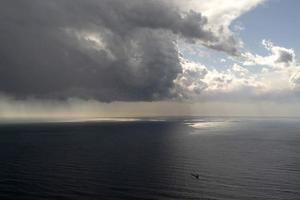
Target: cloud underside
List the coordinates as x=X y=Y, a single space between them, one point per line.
x=127 y=50
x=105 y=49
x=110 y=50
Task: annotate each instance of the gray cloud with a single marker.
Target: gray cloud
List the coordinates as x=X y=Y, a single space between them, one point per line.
x=228 y=44
x=111 y=50
x=286 y=56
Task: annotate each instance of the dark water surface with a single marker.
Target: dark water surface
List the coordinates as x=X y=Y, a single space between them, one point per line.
x=235 y=159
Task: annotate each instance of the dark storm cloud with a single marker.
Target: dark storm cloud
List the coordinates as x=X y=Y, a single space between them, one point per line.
x=105 y=49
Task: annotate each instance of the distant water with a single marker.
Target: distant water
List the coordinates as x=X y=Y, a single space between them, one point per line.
x=151 y=159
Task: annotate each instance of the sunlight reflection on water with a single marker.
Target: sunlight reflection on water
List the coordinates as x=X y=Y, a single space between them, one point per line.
x=210 y=125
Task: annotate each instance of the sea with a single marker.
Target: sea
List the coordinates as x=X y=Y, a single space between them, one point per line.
x=213 y=158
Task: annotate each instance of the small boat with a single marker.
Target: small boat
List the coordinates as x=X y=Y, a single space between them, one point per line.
x=197 y=176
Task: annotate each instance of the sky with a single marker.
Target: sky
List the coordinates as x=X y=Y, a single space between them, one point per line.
x=118 y=58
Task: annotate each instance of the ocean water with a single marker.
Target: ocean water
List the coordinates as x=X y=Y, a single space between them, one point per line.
x=235 y=158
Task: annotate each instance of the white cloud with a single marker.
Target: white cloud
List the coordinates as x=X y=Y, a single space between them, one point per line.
x=279 y=77
x=234 y=79
x=239 y=71
x=190 y=84
x=197 y=81
x=220 y=12
x=295 y=81
x=279 y=68
x=278 y=58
